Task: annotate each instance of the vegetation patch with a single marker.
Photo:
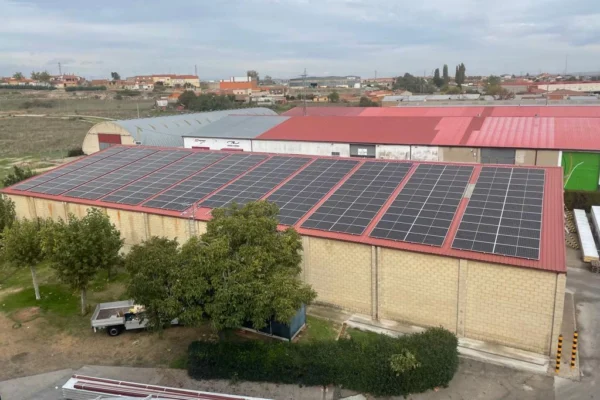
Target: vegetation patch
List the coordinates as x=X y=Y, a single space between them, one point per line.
x=376 y=364
x=581 y=199
x=53 y=298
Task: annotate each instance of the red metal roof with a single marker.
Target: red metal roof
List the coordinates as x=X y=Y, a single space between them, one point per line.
x=552 y=250
x=521 y=132
x=474 y=111
x=324 y=111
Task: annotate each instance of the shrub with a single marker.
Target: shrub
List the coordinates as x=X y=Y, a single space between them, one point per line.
x=581 y=199
x=28 y=87
x=17 y=175
x=118 y=97
x=75 y=152
x=84 y=88
x=128 y=92
x=37 y=104
x=376 y=364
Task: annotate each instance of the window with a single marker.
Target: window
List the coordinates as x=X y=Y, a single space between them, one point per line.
x=335 y=153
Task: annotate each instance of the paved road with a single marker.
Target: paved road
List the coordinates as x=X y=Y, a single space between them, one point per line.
x=586 y=289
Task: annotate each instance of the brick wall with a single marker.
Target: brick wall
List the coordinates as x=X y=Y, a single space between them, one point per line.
x=340 y=272
x=417 y=288
x=517 y=307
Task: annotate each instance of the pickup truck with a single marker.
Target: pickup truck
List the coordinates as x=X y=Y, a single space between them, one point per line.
x=119 y=316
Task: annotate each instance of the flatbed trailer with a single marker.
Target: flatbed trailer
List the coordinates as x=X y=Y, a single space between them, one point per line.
x=118 y=316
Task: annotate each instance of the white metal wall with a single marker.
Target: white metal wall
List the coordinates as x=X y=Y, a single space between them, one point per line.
x=392 y=152
x=309 y=148
x=217 y=144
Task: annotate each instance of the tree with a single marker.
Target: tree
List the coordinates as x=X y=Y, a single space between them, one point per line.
x=451 y=90
x=44 y=76
x=445 y=74
x=17 y=175
x=23 y=247
x=250 y=268
x=413 y=84
x=334 y=97
x=437 y=80
x=115 y=76
x=7 y=212
x=79 y=248
x=267 y=80
x=366 y=102
x=493 y=87
x=186 y=98
x=253 y=74
x=155 y=270
x=459 y=77
x=18 y=76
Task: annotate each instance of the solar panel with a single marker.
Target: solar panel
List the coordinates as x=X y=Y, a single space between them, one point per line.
x=301 y=193
x=89 y=172
x=257 y=182
x=504 y=214
x=186 y=193
x=425 y=207
x=112 y=181
x=156 y=182
x=68 y=168
x=352 y=207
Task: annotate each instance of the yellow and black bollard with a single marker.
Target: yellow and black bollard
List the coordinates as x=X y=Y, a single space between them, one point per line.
x=559 y=353
x=574 y=349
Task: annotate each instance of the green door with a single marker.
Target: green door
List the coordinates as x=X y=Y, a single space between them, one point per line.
x=581 y=170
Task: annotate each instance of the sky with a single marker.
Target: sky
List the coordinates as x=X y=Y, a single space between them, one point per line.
x=282 y=37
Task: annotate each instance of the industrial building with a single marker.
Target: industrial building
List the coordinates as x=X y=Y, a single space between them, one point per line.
x=544 y=136
x=476 y=249
x=350 y=81
x=157 y=131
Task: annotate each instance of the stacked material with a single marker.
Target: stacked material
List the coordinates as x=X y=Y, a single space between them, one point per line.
x=588 y=244
x=571 y=230
x=81 y=387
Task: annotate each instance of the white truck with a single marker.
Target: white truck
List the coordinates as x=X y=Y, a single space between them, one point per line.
x=119 y=316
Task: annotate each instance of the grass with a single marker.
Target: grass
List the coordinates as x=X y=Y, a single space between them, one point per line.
x=180 y=362
x=319 y=329
x=54 y=298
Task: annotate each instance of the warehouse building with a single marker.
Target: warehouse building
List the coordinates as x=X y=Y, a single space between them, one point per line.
x=476 y=249
x=157 y=131
x=350 y=81
x=564 y=136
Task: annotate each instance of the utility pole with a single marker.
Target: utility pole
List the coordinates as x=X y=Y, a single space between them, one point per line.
x=375 y=74
x=304 y=95
x=566 y=63
x=196 y=70
x=59 y=69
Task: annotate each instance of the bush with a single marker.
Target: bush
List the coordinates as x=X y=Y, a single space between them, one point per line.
x=581 y=199
x=37 y=104
x=75 y=152
x=17 y=175
x=28 y=87
x=128 y=92
x=118 y=97
x=84 y=88
x=376 y=364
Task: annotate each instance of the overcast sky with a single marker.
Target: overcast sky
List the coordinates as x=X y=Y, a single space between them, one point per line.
x=282 y=37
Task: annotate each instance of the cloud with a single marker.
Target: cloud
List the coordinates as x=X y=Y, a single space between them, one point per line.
x=282 y=37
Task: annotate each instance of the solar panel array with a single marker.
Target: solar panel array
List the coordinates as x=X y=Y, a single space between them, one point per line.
x=425 y=207
x=186 y=193
x=352 y=207
x=39 y=179
x=90 y=172
x=162 y=179
x=256 y=183
x=301 y=193
x=112 y=181
x=504 y=214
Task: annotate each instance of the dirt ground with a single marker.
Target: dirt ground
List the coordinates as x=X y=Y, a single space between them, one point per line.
x=38 y=346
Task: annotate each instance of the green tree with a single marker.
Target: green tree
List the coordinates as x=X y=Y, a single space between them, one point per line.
x=23 y=247
x=186 y=98
x=155 y=269
x=35 y=75
x=79 y=248
x=44 y=76
x=253 y=74
x=242 y=269
x=437 y=80
x=413 y=84
x=267 y=80
x=493 y=87
x=17 y=175
x=445 y=74
x=451 y=90
x=334 y=97
x=115 y=76
x=7 y=212
x=460 y=74
x=366 y=102
x=18 y=75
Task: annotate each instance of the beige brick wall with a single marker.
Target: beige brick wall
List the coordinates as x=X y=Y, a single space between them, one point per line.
x=548 y=158
x=417 y=288
x=510 y=306
x=340 y=272
x=559 y=305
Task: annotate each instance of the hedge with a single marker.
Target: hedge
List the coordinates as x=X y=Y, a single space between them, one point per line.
x=581 y=199
x=84 y=88
x=361 y=365
x=27 y=87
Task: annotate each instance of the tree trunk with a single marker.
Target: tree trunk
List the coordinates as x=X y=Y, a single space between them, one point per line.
x=83 y=301
x=35 y=283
